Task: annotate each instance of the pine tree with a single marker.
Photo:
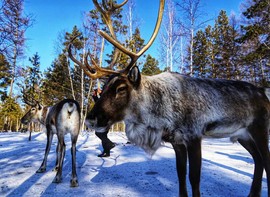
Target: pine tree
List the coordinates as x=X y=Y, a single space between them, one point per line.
x=5 y=77
x=75 y=73
x=150 y=67
x=224 y=42
x=31 y=86
x=56 y=84
x=216 y=51
x=212 y=50
x=10 y=113
x=33 y=78
x=257 y=37
x=201 y=55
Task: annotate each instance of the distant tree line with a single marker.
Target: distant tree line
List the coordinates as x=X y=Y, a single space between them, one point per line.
x=231 y=48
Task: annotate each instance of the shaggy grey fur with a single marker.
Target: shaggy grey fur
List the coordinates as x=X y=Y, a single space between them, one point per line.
x=180 y=108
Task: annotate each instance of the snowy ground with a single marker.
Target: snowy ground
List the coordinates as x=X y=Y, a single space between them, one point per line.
x=227 y=169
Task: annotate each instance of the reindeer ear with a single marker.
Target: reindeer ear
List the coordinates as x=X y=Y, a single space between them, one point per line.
x=134 y=76
x=39 y=106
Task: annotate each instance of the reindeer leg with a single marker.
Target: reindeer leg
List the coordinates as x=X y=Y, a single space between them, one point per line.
x=266 y=161
x=259 y=133
x=30 y=133
x=74 y=179
x=181 y=166
x=250 y=146
x=42 y=168
x=62 y=149
x=195 y=162
x=57 y=158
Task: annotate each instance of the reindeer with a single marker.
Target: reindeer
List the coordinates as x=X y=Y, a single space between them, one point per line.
x=60 y=119
x=182 y=110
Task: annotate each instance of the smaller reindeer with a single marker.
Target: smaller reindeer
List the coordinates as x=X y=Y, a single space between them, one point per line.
x=60 y=119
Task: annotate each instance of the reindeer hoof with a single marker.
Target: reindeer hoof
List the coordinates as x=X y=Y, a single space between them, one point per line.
x=74 y=183
x=55 y=169
x=41 y=170
x=57 y=180
x=254 y=195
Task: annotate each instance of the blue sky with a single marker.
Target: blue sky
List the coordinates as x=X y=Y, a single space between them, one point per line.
x=55 y=16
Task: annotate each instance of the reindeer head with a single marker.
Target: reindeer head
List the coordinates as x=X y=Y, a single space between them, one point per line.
x=116 y=95
x=35 y=111
x=114 y=100
x=33 y=115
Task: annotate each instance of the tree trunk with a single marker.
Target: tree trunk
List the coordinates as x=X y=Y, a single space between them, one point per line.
x=13 y=72
x=86 y=106
x=82 y=89
x=70 y=79
x=191 y=50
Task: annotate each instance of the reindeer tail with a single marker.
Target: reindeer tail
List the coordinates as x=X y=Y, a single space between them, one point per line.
x=267 y=93
x=71 y=107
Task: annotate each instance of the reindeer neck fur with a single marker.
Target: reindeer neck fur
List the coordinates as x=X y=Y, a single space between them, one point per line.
x=42 y=114
x=177 y=108
x=145 y=123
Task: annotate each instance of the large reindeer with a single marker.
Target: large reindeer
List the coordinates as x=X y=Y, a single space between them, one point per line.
x=182 y=110
x=60 y=119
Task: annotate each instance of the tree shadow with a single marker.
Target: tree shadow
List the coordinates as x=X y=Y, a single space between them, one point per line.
x=246 y=159
x=123 y=174
x=34 y=181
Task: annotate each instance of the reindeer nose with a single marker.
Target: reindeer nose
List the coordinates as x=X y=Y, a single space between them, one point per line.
x=90 y=123
x=91 y=116
x=24 y=122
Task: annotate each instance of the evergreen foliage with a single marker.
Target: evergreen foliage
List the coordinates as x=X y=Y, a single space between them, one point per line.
x=150 y=67
x=10 y=113
x=5 y=77
x=223 y=51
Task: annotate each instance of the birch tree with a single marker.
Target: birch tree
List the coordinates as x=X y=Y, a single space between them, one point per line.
x=95 y=46
x=13 y=25
x=169 y=38
x=191 y=20
x=130 y=18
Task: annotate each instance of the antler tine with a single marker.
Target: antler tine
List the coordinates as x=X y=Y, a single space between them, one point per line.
x=116 y=55
x=87 y=69
x=93 y=72
x=98 y=72
x=115 y=6
x=104 y=4
x=134 y=56
x=72 y=57
x=106 y=12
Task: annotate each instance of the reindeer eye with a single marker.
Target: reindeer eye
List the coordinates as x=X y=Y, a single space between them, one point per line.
x=33 y=109
x=121 y=89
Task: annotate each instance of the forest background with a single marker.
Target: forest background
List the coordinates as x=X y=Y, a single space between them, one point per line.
x=235 y=47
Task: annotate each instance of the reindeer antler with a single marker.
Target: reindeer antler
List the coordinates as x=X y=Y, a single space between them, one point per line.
x=95 y=71
x=135 y=56
x=29 y=101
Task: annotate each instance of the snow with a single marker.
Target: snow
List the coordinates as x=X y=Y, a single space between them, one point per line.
x=227 y=168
